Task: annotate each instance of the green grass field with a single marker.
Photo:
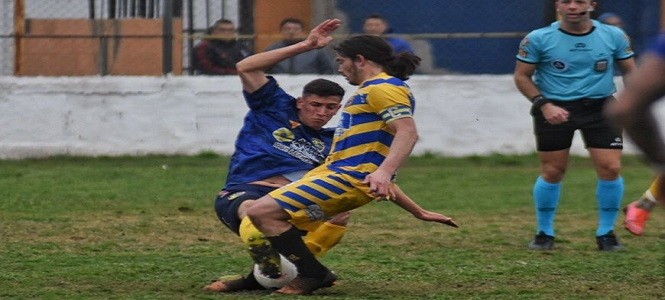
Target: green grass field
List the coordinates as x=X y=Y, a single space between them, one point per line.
x=145 y=228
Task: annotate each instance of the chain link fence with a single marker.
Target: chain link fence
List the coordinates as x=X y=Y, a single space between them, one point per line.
x=129 y=37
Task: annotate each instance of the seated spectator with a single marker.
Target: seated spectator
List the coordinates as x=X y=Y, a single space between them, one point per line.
x=219 y=51
x=320 y=61
x=376 y=24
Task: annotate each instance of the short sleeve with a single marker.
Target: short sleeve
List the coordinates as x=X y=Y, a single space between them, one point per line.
x=527 y=51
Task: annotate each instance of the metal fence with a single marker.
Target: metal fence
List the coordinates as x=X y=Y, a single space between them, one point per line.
x=453 y=36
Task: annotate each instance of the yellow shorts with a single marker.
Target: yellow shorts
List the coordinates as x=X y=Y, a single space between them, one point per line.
x=320 y=195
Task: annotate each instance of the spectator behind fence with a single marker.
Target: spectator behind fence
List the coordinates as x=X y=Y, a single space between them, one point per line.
x=376 y=24
x=220 y=50
x=611 y=18
x=319 y=61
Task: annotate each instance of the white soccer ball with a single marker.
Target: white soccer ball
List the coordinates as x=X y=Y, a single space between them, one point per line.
x=289 y=271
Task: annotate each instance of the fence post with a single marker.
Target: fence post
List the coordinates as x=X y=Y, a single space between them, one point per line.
x=190 y=36
x=167 y=45
x=19 y=32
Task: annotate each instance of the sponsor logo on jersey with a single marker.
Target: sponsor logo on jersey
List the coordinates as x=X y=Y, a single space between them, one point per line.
x=283 y=135
x=559 y=65
x=294 y=124
x=319 y=144
x=306 y=151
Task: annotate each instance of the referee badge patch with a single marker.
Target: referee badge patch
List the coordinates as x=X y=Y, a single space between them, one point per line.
x=601 y=65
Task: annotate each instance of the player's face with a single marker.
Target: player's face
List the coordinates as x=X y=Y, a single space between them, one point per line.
x=315 y=111
x=575 y=11
x=349 y=70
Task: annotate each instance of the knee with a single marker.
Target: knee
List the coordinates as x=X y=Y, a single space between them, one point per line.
x=255 y=214
x=553 y=175
x=266 y=212
x=609 y=171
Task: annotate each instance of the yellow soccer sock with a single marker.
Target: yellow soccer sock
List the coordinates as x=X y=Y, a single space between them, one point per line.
x=649 y=198
x=655 y=189
x=324 y=238
x=260 y=249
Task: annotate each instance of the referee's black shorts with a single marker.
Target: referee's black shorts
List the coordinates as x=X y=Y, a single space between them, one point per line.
x=587 y=116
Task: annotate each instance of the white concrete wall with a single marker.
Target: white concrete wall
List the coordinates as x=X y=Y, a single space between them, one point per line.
x=456 y=115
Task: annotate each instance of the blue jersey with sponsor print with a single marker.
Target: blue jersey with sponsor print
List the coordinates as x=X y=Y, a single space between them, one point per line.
x=273 y=141
x=658 y=46
x=570 y=66
x=363 y=138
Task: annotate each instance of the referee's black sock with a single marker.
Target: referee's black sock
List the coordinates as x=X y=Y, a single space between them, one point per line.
x=291 y=245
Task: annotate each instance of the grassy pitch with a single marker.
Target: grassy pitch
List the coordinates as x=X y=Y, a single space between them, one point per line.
x=145 y=228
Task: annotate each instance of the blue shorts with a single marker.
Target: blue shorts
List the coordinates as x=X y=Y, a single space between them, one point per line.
x=585 y=115
x=228 y=201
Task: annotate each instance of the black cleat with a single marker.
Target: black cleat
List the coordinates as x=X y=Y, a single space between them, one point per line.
x=305 y=285
x=542 y=241
x=608 y=242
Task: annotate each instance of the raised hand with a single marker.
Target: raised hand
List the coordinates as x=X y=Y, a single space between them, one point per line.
x=321 y=35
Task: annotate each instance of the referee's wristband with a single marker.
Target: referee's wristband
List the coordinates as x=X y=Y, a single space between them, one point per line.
x=537 y=103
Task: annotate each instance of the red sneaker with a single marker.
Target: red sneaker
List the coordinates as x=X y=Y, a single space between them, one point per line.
x=636 y=218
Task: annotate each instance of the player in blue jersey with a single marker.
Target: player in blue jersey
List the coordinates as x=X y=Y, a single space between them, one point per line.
x=375 y=136
x=634 y=112
x=281 y=139
x=566 y=69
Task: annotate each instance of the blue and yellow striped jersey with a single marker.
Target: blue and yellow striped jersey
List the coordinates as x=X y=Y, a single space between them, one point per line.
x=363 y=138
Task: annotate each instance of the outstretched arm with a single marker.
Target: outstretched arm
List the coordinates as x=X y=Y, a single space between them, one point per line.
x=405 y=202
x=252 y=69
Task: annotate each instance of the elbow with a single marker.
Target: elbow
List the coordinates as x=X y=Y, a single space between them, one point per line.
x=241 y=67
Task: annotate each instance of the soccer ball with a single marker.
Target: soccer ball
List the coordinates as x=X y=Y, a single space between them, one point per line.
x=289 y=271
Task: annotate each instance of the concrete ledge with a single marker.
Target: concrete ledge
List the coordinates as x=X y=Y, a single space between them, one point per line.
x=44 y=116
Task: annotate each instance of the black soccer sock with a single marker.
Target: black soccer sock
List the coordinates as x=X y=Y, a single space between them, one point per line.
x=291 y=245
x=250 y=283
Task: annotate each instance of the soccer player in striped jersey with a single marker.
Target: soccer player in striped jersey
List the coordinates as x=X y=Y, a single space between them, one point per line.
x=282 y=138
x=376 y=134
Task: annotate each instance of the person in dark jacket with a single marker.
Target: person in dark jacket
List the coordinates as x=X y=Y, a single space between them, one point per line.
x=218 y=53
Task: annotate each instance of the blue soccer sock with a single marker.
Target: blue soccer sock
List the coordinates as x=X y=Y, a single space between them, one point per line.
x=546 y=197
x=609 y=194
